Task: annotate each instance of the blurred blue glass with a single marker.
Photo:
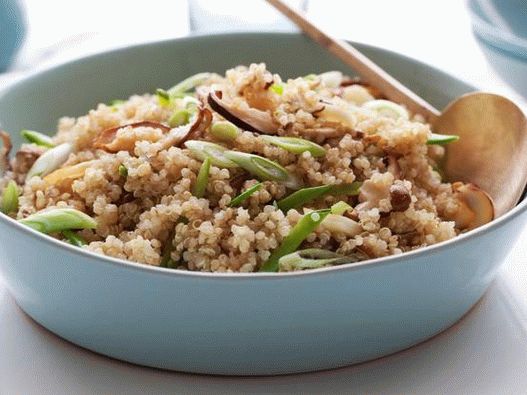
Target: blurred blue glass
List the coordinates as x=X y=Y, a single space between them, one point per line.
x=501 y=26
x=12 y=31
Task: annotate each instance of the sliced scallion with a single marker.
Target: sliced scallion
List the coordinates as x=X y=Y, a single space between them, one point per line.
x=37 y=138
x=263 y=168
x=10 y=198
x=242 y=197
x=311 y=258
x=306 y=195
x=50 y=160
x=441 y=139
x=340 y=208
x=59 y=219
x=224 y=130
x=295 y=145
x=179 y=118
x=73 y=238
x=387 y=108
x=123 y=171
x=203 y=179
x=307 y=224
x=277 y=88
x=216 y=153
x=163 y=97
x=188 y=84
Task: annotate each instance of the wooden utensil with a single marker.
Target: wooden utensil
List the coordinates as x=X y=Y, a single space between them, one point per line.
x=493 y=130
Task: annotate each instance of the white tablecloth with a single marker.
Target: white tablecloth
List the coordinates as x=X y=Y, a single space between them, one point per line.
x=485 y=353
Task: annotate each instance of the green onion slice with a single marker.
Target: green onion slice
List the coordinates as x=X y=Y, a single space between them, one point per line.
x=37 y=138
x=73 y=238
x=203 y=179
x=50 y=160
x=205 y=149
x=224 y=130
x=179 y=118
x=163 y=97
x=10 y=198
x=340 y=208
x=441 y=139
x=242 y=197
x=123 y=171
x=261 y=167
x=307 y=224
x=306 y=195
x=314 y=258
x=277 y=88
x=387 y=108
x=295 y=145
x=188 y=84
x=59 y=219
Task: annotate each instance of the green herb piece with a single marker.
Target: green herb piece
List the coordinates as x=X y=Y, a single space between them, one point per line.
x=311 y=258
x=307 y=224
x=123 y=171
x=224 y=130
x=73 y=238
x=441 y=139
x=188 y=84
x=242 y=197
x=50 y=160
x=10 y=198
x=387 y=108
x=203 y=179
x=59 y=219
x=179 y=118
x=166 y=255
x=116 y=102
x=258 y=166
x=306 y=195
x=277 y=88
x=37 y=138
x=163 y=97
x=295 y=145
x=340 y=208
x=216 y=153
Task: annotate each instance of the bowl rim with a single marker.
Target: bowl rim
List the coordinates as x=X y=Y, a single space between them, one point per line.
x=363 y=265
x=494 y=36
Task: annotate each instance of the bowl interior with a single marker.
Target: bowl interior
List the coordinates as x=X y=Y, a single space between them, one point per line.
x=74 y=88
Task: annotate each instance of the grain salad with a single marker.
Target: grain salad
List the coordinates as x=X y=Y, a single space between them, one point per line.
x=244 y=172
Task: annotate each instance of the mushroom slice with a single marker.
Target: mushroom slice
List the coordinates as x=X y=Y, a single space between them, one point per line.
x=475 y=206
x=25 y=158
x=4 y=152
x=177 y=136
x=341 y=225
x=244 y=117
x=400 y=197
x=64 y=177
x=107 y=141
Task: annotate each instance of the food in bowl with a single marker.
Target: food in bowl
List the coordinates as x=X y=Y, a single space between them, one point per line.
x=242 y=173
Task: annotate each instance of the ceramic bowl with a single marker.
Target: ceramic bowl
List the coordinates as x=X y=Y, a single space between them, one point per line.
x=501 y=27
x=235 y=324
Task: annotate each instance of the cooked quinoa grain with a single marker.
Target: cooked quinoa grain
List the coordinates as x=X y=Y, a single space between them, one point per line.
x=132 y=172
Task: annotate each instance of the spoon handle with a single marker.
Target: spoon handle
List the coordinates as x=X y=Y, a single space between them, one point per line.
x=368 y=70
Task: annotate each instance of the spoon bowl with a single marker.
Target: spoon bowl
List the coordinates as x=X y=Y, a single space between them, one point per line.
x=492 y=146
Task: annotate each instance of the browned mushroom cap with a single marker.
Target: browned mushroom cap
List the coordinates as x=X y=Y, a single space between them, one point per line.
x=107 y=141
x=25 y=157
x=475 y=206
x=400 y=197
x=247 y=118
x=4 y=152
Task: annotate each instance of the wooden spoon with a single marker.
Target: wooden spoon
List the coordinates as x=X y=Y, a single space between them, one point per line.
x=492 y=129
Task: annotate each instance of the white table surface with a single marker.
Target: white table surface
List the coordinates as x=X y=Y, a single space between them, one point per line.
x=485 y=353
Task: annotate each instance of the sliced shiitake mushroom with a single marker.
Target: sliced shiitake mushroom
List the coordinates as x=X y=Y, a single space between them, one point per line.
x=400 y=197
x=5 y=150
x=107 y=141
x=245 y=117
x=475 y=206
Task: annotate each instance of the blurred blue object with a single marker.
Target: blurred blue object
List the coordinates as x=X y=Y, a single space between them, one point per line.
x=12 y=31
x=501 y=26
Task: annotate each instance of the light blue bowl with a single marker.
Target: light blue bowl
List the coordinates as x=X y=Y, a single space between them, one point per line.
x=12 y=31
x=244 y=324
x=501 y=27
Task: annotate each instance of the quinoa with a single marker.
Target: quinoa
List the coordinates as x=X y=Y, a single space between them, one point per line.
x=150 y=215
